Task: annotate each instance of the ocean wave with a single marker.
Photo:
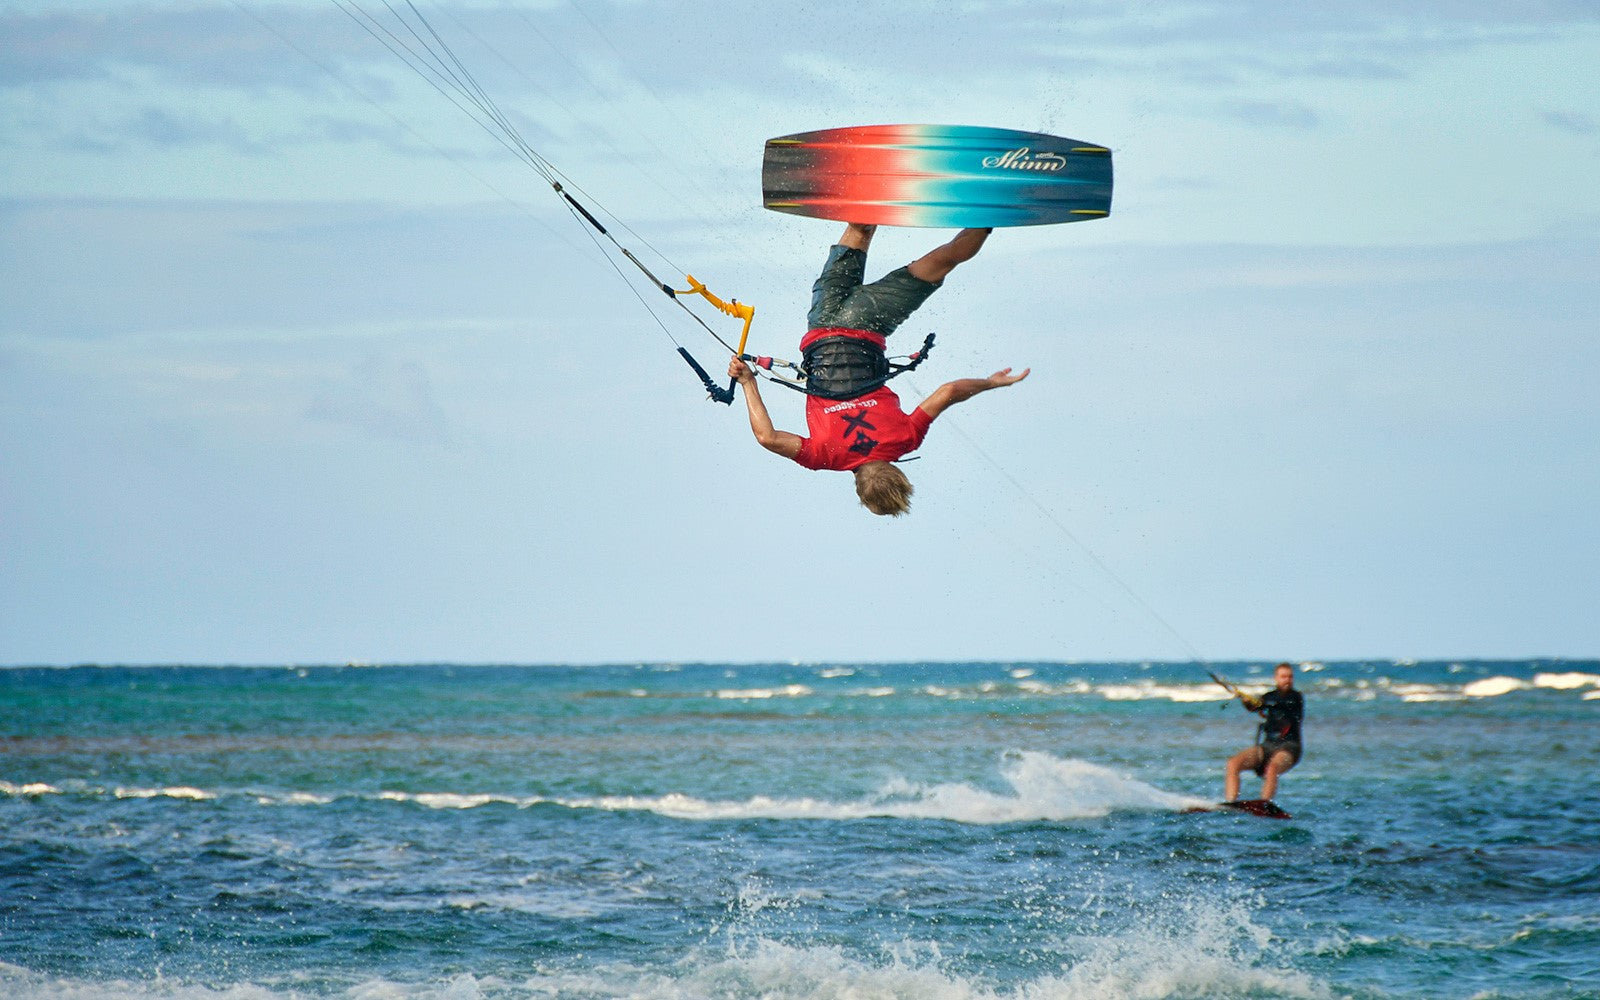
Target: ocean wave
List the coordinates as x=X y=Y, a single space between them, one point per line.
x=1151 y=691
x=1493 y=687
x=747 y=694
x=1567 y=681
x=1025 y=683
x=873 y=692
x=28 y=788
x=174 y=792
x=1192 y=949
x=1039 y=787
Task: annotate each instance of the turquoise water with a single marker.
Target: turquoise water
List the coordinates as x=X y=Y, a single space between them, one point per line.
x=793 y=831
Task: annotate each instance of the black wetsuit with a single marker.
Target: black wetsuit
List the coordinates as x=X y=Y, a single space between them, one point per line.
x=1280 y=730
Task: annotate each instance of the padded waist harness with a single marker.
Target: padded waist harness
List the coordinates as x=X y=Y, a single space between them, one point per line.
x=844 y=367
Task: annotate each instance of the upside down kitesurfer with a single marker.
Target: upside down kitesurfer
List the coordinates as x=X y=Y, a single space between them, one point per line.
x=855 y=421
x=1277 y=746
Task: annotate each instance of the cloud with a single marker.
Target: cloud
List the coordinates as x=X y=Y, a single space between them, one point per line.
x=209 y=45
x=1273 y=114
x=385 y=397
x=1572 y=122
x=562 y=51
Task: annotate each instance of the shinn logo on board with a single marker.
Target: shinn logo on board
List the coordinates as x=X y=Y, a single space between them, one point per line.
x=1025 y=159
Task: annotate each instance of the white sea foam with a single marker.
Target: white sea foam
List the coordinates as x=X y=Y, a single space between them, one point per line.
x=746 y=694
x=1045 y=688
x=832 y=672
x=175 y=792
x=873 y=692
x=1041 y=787
x=1038 y=787
x=455 y=800
x=1566 y=682
x=1493 y=687
x=1187 y=948
x=29 y=788
x=296 y=799
x=1423 y=692
x=1151 y=691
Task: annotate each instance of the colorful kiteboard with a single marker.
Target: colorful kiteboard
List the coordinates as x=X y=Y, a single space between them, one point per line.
x=943 y=176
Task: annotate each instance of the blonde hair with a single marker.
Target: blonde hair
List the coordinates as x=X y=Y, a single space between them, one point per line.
x=883 y=489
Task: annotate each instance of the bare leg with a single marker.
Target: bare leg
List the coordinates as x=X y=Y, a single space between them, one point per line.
x=1237 y=763
x=936 y=263
x=1280 y=762
x=857 y=237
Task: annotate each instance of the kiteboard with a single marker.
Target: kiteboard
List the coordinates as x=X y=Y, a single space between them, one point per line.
x=941 y=176
x=1265 y=808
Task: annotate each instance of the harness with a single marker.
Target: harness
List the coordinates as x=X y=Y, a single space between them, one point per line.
x=842 y=367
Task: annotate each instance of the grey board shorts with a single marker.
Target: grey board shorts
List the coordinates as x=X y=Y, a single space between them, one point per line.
x=838 y=298
x=1269 y=749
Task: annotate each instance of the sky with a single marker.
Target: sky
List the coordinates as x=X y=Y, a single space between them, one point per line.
x=298 y=365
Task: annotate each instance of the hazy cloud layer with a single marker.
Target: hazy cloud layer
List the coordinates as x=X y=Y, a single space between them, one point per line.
x=287 y=338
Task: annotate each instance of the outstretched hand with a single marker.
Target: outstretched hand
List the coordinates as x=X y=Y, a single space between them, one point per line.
x=739 y=371
x=963 y=389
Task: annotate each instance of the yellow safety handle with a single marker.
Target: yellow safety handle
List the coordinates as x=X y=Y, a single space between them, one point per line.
x=733 y=308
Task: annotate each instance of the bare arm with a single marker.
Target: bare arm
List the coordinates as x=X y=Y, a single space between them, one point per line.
x=776 y=441
x=963 y=389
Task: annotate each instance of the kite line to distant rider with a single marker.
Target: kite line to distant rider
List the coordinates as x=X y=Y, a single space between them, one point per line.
x=854 y=420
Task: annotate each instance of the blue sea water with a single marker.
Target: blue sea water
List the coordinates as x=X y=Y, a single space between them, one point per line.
x=835 y=831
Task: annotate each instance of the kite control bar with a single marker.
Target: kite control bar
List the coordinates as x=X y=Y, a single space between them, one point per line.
x=733 y=308
x=1250 y=701
x=718 y=393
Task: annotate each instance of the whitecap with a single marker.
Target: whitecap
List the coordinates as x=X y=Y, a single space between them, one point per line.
x=1566 y=682
x=29 y=788
x=1492 y=687
x=1041 y=788
x=1151 y=691
x=175 y=792
x=748 y=694
x=454 y=800
x=1186 y=948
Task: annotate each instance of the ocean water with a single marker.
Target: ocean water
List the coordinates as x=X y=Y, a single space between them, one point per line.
x=793 y=832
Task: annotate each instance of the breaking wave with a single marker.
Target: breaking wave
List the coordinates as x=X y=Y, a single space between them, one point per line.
x=1038 y=787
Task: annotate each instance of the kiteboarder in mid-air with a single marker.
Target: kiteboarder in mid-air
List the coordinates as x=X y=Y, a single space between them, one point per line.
x=855 y=421
x=1277 y=746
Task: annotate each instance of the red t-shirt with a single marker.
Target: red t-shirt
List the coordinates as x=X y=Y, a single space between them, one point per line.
x=849 y=433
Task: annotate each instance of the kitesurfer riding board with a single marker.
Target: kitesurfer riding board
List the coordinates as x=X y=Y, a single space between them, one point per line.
x=1278 y=745
x=855 y=421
